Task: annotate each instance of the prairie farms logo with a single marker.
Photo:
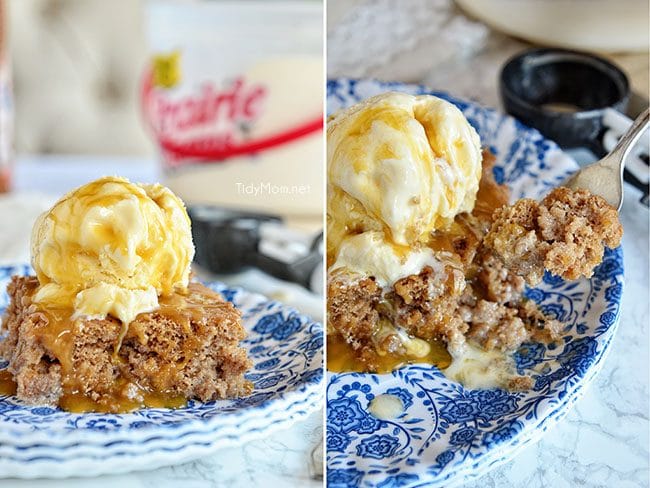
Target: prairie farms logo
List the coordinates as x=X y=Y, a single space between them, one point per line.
x=214 y=121
x=207 y=121
x=234 y=106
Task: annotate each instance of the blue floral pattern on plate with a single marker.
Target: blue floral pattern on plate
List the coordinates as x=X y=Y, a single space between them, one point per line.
x=447 y=433
x=287 y=354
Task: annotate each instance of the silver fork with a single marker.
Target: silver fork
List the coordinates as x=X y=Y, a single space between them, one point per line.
x=605 y=177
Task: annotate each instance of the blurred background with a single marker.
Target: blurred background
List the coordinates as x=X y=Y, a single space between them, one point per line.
x=76 y=70
x=464 y=43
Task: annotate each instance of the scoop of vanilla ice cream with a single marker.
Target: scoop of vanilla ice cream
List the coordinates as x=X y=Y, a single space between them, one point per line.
x=112 y=247
x=368 y=254
x=401 y=164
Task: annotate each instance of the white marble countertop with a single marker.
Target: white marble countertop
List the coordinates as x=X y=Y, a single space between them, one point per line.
x=604 y=440
x=288 y=458
x=283 y=459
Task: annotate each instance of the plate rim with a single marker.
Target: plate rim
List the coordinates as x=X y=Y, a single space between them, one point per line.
x=144 y=461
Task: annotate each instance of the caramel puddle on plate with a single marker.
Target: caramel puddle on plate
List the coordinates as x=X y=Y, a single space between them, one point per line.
x=7 y=383
x=80 y=403
x=342 y=359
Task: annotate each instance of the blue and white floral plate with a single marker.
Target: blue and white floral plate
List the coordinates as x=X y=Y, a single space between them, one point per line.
x=448 y=434
x=287 y=351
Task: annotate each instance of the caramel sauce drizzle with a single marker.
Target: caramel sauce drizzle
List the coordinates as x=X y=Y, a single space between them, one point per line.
x=125 y=394
x=7 y=383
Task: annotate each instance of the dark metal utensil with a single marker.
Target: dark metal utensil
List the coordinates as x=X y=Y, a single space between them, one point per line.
x=228 y=241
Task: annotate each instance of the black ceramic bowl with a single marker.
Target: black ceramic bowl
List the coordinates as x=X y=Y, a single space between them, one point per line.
x=563 y=94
